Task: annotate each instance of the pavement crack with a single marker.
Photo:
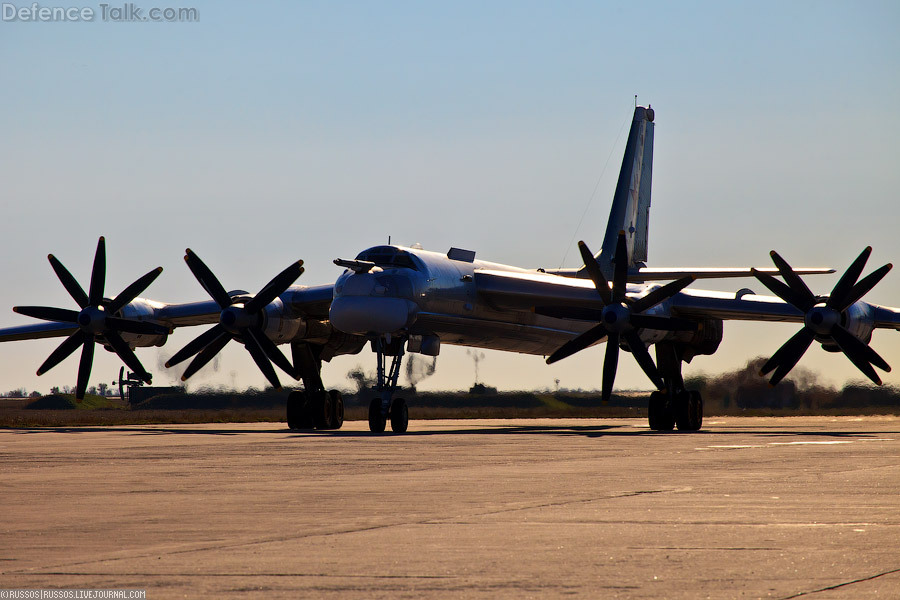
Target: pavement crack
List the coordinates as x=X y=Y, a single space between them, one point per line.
x=843 y=584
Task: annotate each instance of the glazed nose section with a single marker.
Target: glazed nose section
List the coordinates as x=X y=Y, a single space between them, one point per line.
x=361 y=284
x=368 y=303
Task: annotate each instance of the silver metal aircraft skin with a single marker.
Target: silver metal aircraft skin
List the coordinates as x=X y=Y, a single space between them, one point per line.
x=402 y=299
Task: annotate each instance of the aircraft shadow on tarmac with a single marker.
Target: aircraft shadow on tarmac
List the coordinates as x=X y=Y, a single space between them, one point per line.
x=600 y=430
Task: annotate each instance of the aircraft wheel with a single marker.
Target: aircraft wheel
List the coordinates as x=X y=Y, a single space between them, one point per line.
x=320 y=403
x=337 y=409
x=294 y=406
x=689 y=410
x=298 y=413
x=399 y=416
x=376 y=419
x=660 y=416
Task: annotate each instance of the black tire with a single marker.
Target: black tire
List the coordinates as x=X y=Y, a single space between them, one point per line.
x=298 y=411
x=660 y=414
x=377 y=421
x=689 y=411
x=295 y=402
x=337 y=409
x=696 y=409
x=399 y=416
x=321 y=410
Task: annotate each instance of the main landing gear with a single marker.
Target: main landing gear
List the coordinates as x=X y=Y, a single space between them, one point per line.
x=676 y=406
x=313 y=407
x=385 y=407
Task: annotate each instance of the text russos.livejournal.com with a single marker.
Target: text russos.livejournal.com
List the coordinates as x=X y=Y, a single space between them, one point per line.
x=72 y=594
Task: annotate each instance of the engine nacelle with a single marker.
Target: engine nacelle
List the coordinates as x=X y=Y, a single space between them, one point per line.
x=279 y=327
x=706 y=340
x=140 y=309
x=282 y=328
x=859 y=320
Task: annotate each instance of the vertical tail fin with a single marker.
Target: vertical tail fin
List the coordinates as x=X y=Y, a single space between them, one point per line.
x=631 y=203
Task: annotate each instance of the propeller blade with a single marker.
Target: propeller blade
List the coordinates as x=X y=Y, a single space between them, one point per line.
x=207 y=279
x=98 y=274
x=660 y=294
x=68 y=282
x=596 y=275
x=275 y=288
x=272 y=351
x=84 y=366
x=620 y=273
x=844 y=286
x=864 y=286
x=578 y=343
x=195 y=345
x=793 y=280
x=259 y=357
x=609 y=365
x=131 y=292
x=795 y=299
x=663 y=323
x=859 y=353
x=639 y=350
x=127 y=355
x=48 y=313
x=207 y=354
x=69 y=345
x=788 y=355
x=136 y=327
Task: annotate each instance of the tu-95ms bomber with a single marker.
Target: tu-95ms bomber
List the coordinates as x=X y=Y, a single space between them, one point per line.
x=400 y=299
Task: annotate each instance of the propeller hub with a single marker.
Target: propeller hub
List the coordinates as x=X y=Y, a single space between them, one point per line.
x=235 y=318
x=92 y=319
x=821 y=319
x=616 y=317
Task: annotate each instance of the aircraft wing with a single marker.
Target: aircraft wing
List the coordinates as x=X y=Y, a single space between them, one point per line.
x=543 y=291
x=36 y=331
x=300 y=301
x=642 y=274
x=310 y=302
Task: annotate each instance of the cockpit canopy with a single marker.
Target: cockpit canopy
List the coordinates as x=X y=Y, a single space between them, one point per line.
x=390 y=257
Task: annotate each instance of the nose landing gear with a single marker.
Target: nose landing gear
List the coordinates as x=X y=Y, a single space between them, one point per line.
x=385 y=407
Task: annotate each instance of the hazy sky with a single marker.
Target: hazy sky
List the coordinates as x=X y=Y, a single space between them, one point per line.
x=268 y=132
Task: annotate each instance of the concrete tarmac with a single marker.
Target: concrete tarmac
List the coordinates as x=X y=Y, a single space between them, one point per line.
x=746 y=508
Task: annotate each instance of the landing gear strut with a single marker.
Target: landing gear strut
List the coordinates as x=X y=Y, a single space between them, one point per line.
x=313 y=407
x=385 y=406
x=677 y=405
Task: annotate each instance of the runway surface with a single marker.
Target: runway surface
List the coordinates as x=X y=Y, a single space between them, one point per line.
x=746 y=508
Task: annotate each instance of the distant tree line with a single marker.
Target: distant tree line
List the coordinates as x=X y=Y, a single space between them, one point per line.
x=101 y=389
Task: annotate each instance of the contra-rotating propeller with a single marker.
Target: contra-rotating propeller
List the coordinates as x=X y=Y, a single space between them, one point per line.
x=96 y=321
x=621 y=318
x=822 y=320
x=239 y=320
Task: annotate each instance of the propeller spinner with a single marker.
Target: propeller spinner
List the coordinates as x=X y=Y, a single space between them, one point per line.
x=621 y=318
x=96 y=321
x=822 y=319
x=240 y=321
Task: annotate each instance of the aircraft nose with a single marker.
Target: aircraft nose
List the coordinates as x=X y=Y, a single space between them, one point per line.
x=373 y=303
x=371 y=314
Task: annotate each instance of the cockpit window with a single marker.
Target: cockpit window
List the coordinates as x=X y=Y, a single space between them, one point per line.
x=389 y=257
